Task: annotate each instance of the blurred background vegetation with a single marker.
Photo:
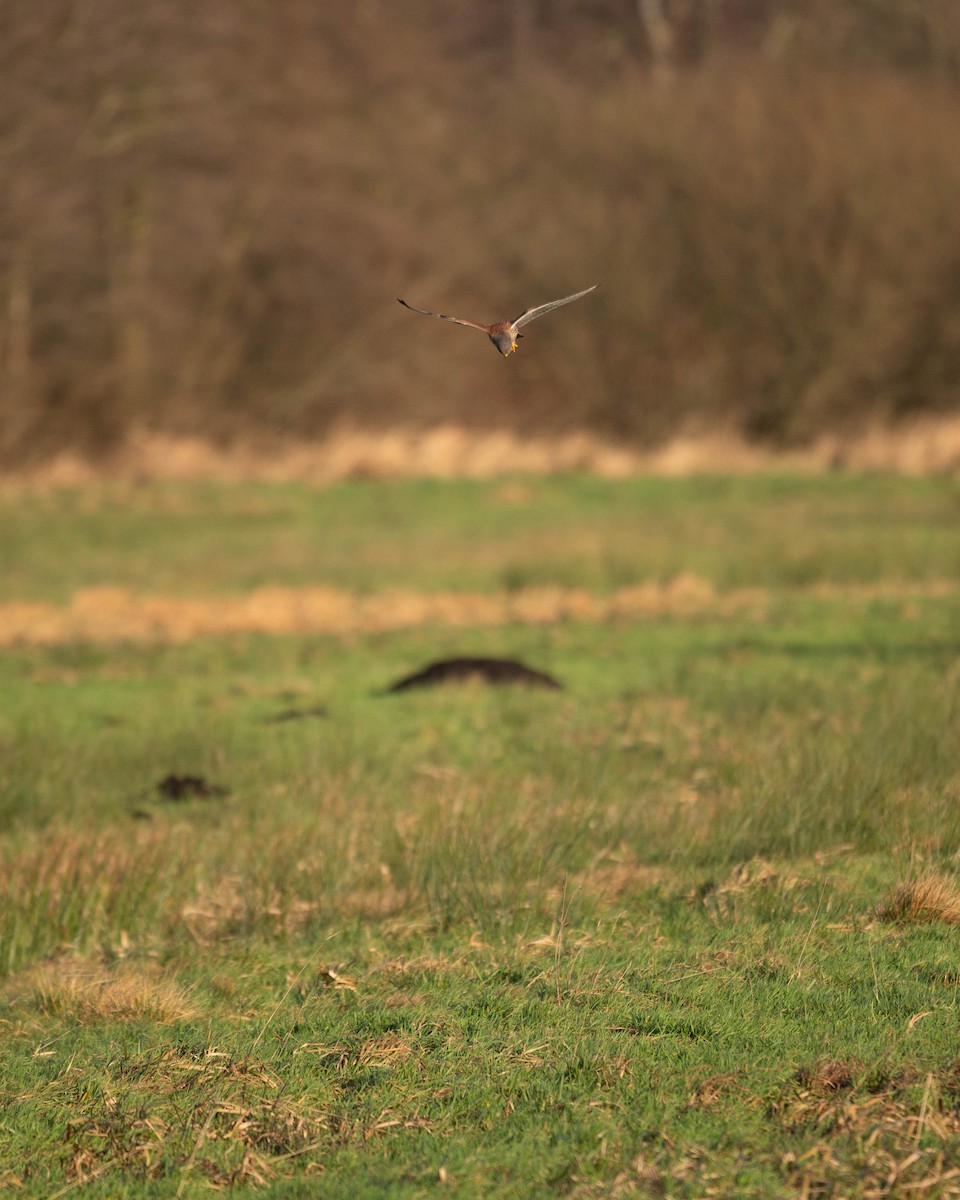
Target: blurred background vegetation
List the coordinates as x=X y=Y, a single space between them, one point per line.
x=208 y=210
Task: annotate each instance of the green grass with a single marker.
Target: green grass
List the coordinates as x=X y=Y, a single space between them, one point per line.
x=574 y=531
x=623 y=939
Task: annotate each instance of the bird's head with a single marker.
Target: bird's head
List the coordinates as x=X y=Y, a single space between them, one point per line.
x=505 y=341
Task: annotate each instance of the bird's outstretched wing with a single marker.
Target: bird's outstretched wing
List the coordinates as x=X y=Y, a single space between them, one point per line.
x=531 y=314
x=443 y=316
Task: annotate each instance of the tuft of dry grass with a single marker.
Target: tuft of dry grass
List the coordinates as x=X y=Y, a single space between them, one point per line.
x=91 y=991
x=828 y=1075
x=933 y=896
x=899 y=1142
x=234 y=1129
x=618 y=873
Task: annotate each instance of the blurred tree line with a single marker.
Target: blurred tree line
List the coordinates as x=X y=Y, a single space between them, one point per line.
x=208 y=209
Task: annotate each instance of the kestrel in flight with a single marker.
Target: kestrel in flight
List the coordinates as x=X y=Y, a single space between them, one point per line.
x=504 y=334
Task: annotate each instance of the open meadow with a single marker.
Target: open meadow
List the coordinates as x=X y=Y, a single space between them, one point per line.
x=687 y=926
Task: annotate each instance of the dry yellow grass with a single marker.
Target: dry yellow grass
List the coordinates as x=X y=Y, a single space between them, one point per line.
x=617 y=874
x=924 y=446
x=115 y=614
x=933 y=896
x=111 y=614
x=91 y=991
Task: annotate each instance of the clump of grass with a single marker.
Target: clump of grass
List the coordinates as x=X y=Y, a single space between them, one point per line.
x=91 y=992
x=619 y=873
x=828 y=1075
x=933 y=896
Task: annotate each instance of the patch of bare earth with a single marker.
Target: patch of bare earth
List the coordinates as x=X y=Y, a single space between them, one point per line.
x=927 y=445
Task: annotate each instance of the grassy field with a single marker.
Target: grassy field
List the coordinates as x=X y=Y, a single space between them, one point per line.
x=688 y=927
x=198 y=539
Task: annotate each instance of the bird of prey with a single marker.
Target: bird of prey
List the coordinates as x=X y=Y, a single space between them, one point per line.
x=504 y=334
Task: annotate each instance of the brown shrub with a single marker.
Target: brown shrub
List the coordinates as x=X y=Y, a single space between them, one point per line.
x=209 y=211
